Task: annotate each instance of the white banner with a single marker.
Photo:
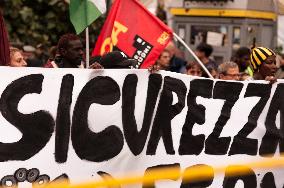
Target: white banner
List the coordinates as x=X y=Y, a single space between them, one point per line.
x=79 y=124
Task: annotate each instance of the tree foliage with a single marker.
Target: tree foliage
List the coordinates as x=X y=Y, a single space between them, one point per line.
x=40 y=21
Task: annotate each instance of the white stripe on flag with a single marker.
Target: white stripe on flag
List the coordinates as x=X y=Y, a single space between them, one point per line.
x=100 y=4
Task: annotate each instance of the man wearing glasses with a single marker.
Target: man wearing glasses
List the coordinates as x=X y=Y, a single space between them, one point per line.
x=229 y=71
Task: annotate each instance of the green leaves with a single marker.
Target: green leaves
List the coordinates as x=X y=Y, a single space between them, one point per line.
x=40 y=21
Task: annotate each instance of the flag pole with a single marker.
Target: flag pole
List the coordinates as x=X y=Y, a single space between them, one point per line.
x=193 y=54
x=87 y=48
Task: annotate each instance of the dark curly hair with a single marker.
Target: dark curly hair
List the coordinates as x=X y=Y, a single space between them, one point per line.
x=206 y=48
x=64 y=40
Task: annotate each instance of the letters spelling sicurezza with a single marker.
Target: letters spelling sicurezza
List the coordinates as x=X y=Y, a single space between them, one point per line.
x=38 y=127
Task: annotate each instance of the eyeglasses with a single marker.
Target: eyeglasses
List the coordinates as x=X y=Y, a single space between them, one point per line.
x=232 y=75
x=193 y=72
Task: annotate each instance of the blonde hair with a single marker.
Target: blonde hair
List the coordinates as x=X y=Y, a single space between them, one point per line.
x=13 y=50
x=14 y=58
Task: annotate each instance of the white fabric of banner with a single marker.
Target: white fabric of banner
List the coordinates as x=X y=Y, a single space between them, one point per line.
x=193 y=121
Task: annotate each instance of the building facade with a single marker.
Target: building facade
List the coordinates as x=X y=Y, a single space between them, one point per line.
x=225 y=24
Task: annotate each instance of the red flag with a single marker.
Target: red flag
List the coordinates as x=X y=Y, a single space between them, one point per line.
x=132 y=29
x=4 y=44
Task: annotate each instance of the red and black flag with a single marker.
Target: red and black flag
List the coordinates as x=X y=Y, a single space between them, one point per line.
x=132 y=29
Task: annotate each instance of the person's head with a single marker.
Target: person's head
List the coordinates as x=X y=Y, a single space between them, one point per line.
x=193 y=69
x=213 y=73
x=242 y=58
x=203 y=50
x=171 y=48
x=16 y=58
x=228 y=71
x=263 y=61
x=70 y=48
x=52 y=52
x=39 y=50
x=164 y=59
x=28 y=52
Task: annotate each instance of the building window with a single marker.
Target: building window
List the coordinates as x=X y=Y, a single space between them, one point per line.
x=215 y=35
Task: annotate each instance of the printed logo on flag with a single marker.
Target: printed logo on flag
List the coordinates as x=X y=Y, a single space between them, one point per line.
x=163 y=38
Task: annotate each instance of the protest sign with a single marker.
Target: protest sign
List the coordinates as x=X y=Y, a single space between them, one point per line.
x=80 y=124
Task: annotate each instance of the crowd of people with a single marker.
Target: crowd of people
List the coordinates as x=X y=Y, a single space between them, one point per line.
x=259 y=63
